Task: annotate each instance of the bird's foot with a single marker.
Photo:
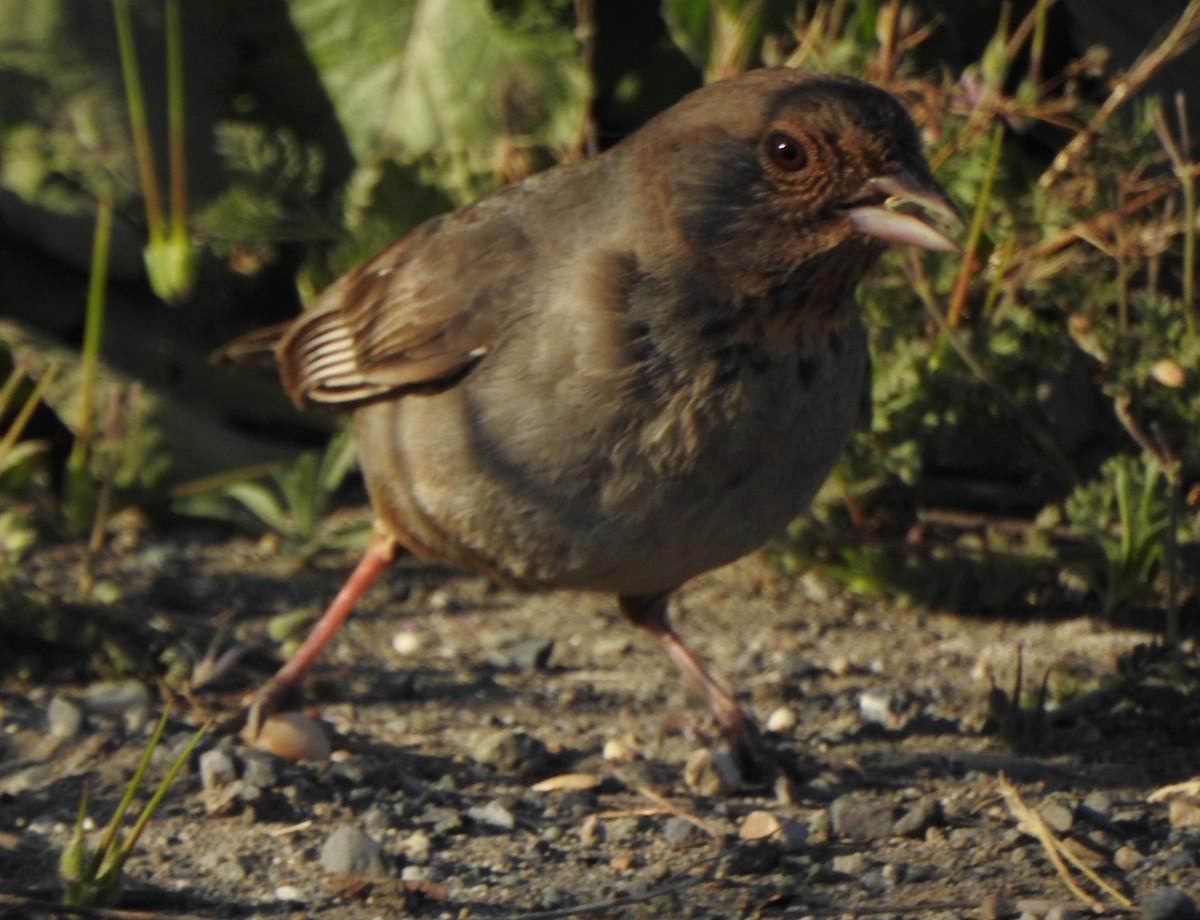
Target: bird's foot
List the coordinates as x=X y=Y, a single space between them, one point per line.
x=760 y=762
x=274 y=697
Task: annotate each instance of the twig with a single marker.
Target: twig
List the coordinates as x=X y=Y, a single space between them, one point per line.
x=672 y=809
x=1031 y=823
x=1183 y=34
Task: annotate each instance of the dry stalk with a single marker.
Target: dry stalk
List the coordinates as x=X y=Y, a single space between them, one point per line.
x=1031 y=823
x=1182 y=36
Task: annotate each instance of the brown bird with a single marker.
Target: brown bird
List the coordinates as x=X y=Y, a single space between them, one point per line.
x=626 y=371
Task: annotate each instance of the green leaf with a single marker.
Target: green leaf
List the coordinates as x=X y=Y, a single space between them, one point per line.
x=445 y=82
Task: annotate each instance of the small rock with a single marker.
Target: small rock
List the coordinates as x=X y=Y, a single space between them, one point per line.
x=1098 y=801
x=859 y=819
x=512 y=752
x=289 y=893
x=755 y=857
x=260 y=770
x=1127 y=858
x=1058 y=816
x=839 y=666
x=127 y=699
x=851 y=864
x=793 y=836
x=377 y=819
x=230 y=871
x=216 y=769
x=879 y=706
x=995 y=907
x=1179 y=859
x=416 y=874
x=918 y=818
x=1168 y=904
x=618 y=750
x=530 y=654
x=623 y=828
x=63 y=718
x=1184 y=812
x=711 y=773
x=447 y=821
x=495 y=814
x=1061 y=913
x=292 y=736
x=758 y=825
x=782 y=720
x=406 y=642
x=678 y=832
x=351 y=851
x=417 y=848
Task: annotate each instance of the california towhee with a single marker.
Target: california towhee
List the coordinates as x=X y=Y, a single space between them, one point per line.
x=625 y=371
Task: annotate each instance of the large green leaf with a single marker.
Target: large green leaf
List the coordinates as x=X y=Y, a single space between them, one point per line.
x=444 y=83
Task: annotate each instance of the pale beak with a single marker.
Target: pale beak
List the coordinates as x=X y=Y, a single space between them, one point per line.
x=880 y=210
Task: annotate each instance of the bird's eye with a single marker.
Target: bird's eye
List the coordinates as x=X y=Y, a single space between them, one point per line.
x=787 y=153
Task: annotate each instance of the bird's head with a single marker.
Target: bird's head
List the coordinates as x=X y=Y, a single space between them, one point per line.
x=765 y=171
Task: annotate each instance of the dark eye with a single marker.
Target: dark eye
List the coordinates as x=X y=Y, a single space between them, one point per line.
x=786 y=152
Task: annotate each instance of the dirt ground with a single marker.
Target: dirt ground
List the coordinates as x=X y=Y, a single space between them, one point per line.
x=448 y=700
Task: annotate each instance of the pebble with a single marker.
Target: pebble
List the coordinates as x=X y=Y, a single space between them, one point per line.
x=782 y=720
x=755 y=857
x=622 y=828
x=1167 y=904
x=293 y=736
x=406 y=642
x=918 y=818
x=352 y=851
x=1058 y=816
x=851 y=864
x=879 y=706
x=1184 y=812
x=512 y=751
x=446 y=821
x=260 y=770
x=63 y=718
x=417 y=848
x=495 y=814
x=678 y=832
x=125 y=698
x=216 y=769
x=525 y=655
x=289 y=893
x=1127 y=858
x=758 y=825
x=854 y=818
x=1182 y=858
x=711 y=773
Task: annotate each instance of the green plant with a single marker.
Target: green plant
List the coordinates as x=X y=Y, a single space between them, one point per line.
x=290 y=502
x=1129 y=492
x=170 y=255
x=95 y=877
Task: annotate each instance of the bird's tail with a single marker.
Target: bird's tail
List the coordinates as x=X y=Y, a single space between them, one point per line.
x=255 y=351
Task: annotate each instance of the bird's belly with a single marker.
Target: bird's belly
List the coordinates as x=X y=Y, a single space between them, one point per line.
x=632 y=504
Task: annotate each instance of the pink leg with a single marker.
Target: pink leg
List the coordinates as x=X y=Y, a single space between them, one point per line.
x=737 y=728
x=284 y=691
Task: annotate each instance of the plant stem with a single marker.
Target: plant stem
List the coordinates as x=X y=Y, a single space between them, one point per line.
x=176 y=123
x=958 y=296
x=93 y=327
x=137 y=119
